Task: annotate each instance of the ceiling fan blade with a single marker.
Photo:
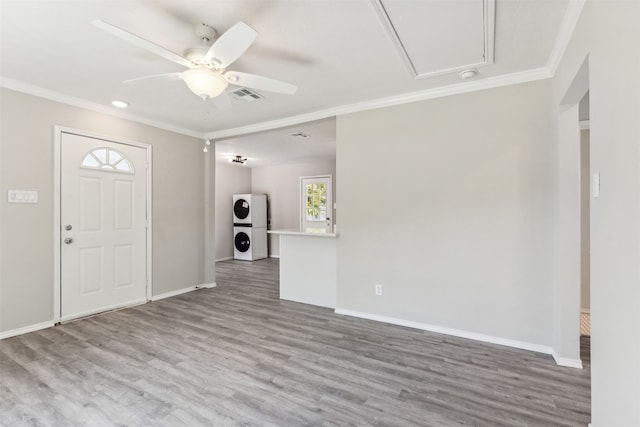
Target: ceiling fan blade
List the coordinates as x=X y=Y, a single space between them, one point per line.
x=229 y=46
x=142 y=43
x=258 y=82
x=222 y=101
x=172 y=76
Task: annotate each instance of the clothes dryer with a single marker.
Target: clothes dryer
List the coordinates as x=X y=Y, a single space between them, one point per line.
x=250 y=209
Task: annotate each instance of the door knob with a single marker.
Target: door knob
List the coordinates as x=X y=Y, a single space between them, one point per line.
x=68 y=227
x=68 y=240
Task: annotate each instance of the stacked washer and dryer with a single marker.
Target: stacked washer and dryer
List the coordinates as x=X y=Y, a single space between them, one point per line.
x=250 y=226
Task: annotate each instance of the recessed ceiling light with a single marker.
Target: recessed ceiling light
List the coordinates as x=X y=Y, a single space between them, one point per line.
x=120 y=104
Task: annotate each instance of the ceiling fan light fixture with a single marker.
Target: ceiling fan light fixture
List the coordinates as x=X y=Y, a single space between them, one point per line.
x=239 y=159
x=205 y=83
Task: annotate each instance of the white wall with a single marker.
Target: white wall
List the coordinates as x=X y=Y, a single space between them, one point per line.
x=608 y=34
x=281 y=184
x=230 y=180
x=26 y=244
x=449 y=204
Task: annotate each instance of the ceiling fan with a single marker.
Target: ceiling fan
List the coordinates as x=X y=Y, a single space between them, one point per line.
x=206 y=74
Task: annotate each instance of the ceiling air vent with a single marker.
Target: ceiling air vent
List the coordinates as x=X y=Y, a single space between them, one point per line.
x=300 y=135
x=247 y=95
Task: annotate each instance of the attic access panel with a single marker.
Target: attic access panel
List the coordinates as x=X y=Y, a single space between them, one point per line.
x=440 y=36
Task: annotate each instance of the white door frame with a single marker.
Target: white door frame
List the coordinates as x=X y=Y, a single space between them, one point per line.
x=330 y=208
x=567 y=228
x=57 y=205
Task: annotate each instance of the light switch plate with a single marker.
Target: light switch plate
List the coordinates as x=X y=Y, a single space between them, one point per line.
x=22 y=196
x=595 y=185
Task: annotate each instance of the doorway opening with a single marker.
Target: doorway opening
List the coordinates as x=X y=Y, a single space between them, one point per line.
x=572 y=284
x=585 y=234
x=276 y=159
x=585 y=241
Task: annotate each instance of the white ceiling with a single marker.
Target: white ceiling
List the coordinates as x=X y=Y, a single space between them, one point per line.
x=280 y=146
x=337 y=52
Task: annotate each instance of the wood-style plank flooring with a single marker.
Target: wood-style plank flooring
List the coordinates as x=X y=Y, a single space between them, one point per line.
x=237 y=355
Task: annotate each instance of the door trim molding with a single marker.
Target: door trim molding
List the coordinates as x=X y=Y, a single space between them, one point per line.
x=57 y=205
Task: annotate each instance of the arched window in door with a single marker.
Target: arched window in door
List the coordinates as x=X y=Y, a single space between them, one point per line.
x=104 y=158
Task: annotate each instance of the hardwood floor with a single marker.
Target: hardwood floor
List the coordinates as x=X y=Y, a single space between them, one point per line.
x=237 y=355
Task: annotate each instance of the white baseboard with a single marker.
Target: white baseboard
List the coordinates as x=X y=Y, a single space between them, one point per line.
x=449 y=331
x=274 y=256
x=224 y=258
x=44 y=325
x=173 y=293
x=183 y=291
x=26 y=329
x=564 y=361
x=206 y=285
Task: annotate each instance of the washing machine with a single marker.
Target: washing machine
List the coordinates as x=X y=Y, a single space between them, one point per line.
x=249 y=243
x=250 y=209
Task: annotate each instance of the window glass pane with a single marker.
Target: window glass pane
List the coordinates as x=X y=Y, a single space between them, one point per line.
x=124 y=166
x=309 y=201
x=97 y=159
x=101 y=154
x=114 y=157
x=322 y=202
x=316 y=202
x=90 y=162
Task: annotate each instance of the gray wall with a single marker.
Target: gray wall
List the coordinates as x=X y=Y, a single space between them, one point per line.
x=26 y=245
x=585 y=248
x=608 y=34
x=230 y=180
x=448 y=203
x=281 y=184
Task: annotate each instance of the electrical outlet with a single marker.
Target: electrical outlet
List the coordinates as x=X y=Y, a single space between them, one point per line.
x=378 y=290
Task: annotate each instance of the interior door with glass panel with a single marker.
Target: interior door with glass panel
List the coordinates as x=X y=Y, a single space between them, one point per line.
x=103 y=216
x=317 y=204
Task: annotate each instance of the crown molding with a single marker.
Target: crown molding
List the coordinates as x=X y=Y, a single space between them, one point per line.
x=29 y=89
x=572 y=14
x=439 y=92
x=569 y=22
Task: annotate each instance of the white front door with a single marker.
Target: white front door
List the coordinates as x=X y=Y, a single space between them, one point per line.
x=317 y=204
x=103 y=212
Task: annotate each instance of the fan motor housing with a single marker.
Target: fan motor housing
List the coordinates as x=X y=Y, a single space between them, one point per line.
x=196 y=54
x=206 y=33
